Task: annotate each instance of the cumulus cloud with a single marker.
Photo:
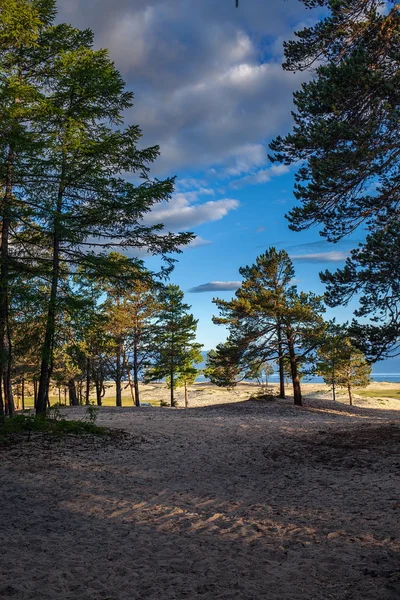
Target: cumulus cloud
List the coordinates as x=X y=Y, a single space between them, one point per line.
x=180 y=213
x=216 y=286
x=205 y=90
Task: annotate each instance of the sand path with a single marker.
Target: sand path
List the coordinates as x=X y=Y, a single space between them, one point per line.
x=242 y=500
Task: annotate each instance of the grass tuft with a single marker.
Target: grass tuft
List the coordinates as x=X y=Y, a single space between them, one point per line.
x=17 y=426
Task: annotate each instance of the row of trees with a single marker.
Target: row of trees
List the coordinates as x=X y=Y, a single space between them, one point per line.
x=65 y=197
x=270 y=320
x=135 y=329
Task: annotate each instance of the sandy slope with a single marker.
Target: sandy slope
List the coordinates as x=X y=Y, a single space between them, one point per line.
x=230 y=499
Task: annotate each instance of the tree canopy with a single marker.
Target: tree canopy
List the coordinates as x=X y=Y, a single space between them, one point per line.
x=346 y=138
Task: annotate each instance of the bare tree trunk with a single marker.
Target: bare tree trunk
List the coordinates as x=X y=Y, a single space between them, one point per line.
x=35 y=390
x=350 y=394
x=98 y=392
x=23 y=392
x=136 y=369
x=130 y=380
x=73 y=398
x=281 y=366
x=295 y=374
x=118 y=395
x=186 y=396
x=171 y=374
x=47 y=349
x=5 y=358
x=87 y=391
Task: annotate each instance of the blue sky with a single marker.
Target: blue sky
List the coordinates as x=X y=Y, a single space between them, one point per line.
x=210 y=90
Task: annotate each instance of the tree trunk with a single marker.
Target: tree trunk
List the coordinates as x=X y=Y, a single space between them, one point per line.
x=171 y=374
x=1 y=400
x=87 y=391
x=186 y=396
x=281 y=366
x=98 y=391
x=73 y=398
x=350 y=394
x=118 y=396
x=5 y=358
x=295 y=374
x=35 y=390
x=23 y=392
x=130 y=380
x=47 y=349
x=136 y=369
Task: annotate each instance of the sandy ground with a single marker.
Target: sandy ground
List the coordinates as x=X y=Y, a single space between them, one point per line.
x=231 y=499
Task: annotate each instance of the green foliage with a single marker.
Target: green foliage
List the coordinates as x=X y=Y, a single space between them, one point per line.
x=268 y=320
x=66 y=166
x=346 y=140
x=28 y=424
x=177 y=350
x=340 y=363
x=92 y=413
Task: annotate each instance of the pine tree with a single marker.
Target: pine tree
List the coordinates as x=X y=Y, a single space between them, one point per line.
x=176 y=346
x=87 y=201
x=345 y=366
x=346 y=137
x=268 y=319
x=255 y=315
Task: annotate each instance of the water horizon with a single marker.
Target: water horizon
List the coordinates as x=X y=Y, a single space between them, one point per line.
x=376 y=377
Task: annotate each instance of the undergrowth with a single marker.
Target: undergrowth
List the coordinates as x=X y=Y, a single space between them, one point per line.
x=53 y=425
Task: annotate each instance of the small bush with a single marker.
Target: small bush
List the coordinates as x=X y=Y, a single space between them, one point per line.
x=264 y=395
x=52 y=425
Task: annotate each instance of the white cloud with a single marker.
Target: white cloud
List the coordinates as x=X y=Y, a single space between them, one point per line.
x=261 y=176
x=205 y=90
x=216 y=286
x=321 y=257
x=181 y=214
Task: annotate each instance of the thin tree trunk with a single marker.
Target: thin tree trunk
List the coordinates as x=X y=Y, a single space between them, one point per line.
x=281 y=365
x=4 y=284
x=98 y=391
x=47 y=349
x=350 y=394
x=73 y=398
x=35 y=391
x=171 y=374
x=1 y=399
x=333 y=381
x=118 y=395
x=136 y=368
x=295 y=374
x=130 y=380
x=65 y=396
x=23 y=392
x=186 y=396
x=87 y=391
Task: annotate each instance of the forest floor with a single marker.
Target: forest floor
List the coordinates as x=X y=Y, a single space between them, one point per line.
x=231 y=499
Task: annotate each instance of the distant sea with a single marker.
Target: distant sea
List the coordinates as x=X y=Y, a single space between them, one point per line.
x=389 y=377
